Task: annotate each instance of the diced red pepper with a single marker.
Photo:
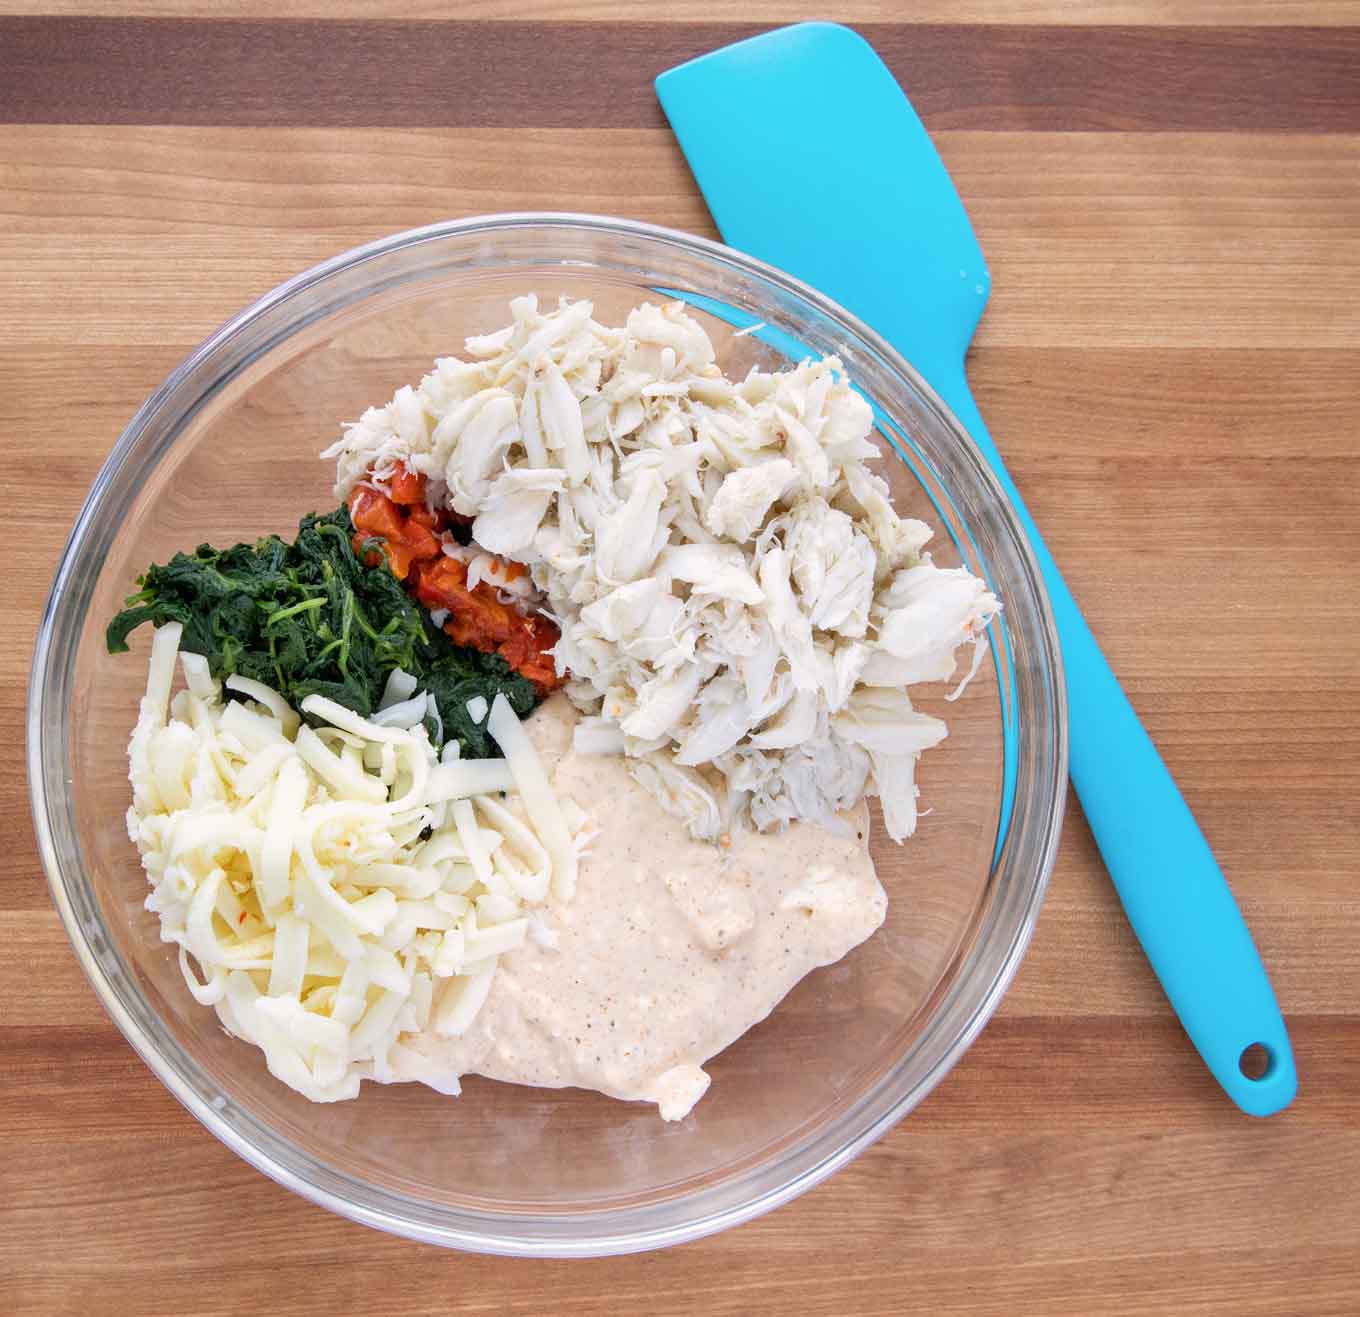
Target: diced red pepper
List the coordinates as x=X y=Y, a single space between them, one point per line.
x=406 y=487
x=408 y=537
x=409 y=532
x=478 y=619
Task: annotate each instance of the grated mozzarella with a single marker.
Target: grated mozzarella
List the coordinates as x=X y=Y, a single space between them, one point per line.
x=332 y=888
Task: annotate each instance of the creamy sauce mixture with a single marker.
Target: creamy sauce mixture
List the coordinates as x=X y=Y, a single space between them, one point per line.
x=670 y=950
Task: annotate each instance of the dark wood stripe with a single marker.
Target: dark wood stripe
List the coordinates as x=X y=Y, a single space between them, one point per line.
x=461 y=74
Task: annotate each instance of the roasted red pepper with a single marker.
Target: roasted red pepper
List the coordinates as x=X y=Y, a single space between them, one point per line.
x=407 y=487
x=404 y=524
x=479 y=619
x=409 y=532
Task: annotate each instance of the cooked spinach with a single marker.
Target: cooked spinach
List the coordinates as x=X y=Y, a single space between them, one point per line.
x=311 y=617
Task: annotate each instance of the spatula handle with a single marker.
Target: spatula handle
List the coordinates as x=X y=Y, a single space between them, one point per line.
x=1171 y=887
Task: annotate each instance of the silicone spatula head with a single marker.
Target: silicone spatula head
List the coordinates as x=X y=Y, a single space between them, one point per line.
x=801 y=136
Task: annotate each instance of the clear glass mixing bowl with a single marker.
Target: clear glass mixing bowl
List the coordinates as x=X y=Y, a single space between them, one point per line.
x=226 y=450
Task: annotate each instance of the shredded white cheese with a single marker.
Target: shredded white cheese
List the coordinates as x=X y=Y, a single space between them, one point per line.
x=337 y=885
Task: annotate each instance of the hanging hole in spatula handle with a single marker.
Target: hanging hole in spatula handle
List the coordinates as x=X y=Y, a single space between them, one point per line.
x=1257 y=1062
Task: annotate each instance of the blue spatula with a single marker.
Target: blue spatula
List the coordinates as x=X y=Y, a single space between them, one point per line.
x=811 y=158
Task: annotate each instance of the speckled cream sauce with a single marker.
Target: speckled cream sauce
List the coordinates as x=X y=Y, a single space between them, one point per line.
x=670 y=950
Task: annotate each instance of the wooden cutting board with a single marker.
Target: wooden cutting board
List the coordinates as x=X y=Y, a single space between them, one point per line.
x=1169 y=196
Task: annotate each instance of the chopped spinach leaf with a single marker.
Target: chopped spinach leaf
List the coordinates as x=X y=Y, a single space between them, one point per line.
x=311 y=617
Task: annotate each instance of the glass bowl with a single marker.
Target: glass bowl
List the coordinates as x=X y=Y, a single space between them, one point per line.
x=226 y=449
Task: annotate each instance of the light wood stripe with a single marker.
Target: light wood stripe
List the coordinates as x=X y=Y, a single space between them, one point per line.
x=96 y=180
x=1101 y=412
x=1242 y=242
x=1056 y=1068
x=906 y=1189
x=1254 y=293
x=352 y=183
x=1084 y=939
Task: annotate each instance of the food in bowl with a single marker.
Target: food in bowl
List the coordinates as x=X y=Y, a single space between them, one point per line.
x=718 y=607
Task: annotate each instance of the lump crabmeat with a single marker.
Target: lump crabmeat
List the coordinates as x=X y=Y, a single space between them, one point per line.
x=741 y=608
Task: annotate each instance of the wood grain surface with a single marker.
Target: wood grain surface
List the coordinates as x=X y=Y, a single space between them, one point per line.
x=1169 y=197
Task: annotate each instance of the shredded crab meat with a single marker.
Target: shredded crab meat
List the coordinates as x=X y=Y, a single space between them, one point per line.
x=741 y=608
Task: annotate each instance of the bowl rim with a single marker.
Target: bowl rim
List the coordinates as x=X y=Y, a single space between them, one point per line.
x=622 y=1239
